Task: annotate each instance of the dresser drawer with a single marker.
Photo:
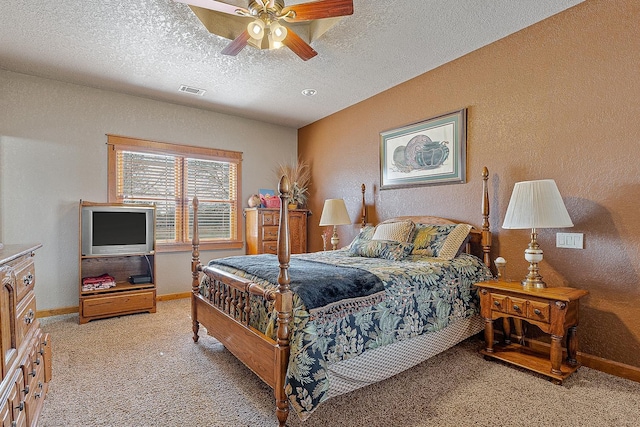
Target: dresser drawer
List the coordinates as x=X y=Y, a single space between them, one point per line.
x=118 y=304
x=25 y=317
x=270 y=248
x=25 y=277
x=270 y=217
x=270 y=233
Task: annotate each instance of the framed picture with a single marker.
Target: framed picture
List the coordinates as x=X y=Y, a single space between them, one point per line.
x=429 y=152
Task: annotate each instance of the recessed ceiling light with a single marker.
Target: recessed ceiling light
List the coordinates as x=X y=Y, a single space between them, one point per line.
x=309 y=92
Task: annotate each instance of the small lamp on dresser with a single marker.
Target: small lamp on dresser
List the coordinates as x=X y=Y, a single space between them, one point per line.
x=534 y=205
x=334 y=213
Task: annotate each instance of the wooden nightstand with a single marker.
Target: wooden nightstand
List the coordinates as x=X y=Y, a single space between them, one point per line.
x=553 y=310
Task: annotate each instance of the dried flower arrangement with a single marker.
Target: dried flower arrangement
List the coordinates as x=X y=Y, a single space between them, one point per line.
x=299 y=175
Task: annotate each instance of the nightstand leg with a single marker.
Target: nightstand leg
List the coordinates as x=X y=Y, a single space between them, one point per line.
x=506 y=327
x=556 y=354
x=488 y=335
x=572 y=346
x=517 y=323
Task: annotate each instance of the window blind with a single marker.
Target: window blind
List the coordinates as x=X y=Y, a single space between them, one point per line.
x=143 y=173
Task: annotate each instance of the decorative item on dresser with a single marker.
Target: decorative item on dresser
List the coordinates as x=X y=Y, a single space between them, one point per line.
x=261 y=230
x=263 y=314
x=334 y=213
x=25 y=350
x=553 y=310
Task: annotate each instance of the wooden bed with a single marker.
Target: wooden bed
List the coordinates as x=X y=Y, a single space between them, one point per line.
x=226 y=312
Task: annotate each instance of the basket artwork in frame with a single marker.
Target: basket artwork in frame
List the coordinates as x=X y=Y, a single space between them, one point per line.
x=429 y=152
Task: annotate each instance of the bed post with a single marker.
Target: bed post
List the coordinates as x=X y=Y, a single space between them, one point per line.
x=283 y=304
x=195 y=270
x=486 y=234
x=363 y=222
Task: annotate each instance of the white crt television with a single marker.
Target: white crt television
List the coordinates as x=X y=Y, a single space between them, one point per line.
x=117 y=229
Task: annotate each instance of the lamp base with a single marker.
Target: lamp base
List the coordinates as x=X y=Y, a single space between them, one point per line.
x=533 y=254
x=334 y=239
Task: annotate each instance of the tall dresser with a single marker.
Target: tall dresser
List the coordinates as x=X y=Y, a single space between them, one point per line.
x=261 y=230
x=25 y=350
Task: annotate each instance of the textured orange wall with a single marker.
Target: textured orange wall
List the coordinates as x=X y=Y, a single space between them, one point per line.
x=560 y=100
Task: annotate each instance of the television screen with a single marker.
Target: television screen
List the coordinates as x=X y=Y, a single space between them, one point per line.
x=119 y=228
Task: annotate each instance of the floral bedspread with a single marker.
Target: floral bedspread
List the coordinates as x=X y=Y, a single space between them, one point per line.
x=421 y=295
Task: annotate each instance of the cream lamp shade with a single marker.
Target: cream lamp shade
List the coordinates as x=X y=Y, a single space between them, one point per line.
x=334 y=213
x=534 y=205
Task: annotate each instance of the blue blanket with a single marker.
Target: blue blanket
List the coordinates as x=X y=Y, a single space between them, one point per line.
x=318 y=284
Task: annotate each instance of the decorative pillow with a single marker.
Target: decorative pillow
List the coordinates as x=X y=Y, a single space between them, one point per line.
x=391 y=250
x=429 y=239
x=400 y=231
x=455 y=241
x=365 y=234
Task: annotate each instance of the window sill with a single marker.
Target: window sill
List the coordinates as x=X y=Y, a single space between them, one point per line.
x=204 y=246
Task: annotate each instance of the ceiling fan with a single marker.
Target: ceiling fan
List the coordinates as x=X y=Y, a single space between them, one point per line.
x=271 y=23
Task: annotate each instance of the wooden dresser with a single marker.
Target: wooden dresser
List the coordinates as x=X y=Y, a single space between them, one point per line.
x=25 y=350
x=261 y=230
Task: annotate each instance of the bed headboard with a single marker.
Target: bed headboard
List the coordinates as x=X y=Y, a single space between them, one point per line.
x=480 y=237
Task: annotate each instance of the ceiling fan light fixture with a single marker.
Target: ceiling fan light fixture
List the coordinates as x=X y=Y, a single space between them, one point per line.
x=278 y=32
x=256 y=29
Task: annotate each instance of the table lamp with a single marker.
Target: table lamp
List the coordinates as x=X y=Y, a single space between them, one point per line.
x=534 y=205
x=334 y=213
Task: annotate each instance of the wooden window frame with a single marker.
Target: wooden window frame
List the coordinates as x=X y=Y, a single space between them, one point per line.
x=116 y=142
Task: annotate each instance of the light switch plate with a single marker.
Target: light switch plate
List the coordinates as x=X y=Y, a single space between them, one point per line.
x=570 y=240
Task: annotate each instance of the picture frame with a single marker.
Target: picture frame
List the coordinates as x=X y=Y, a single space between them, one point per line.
x=429 y=152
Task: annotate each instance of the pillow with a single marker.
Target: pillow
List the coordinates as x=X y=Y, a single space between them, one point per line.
x=430 y=239
x=399 y=231
x=455 y=241
x=365 y=234
x=391 y=250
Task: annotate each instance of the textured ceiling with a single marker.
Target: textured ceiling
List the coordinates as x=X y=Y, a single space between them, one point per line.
x=150 y=48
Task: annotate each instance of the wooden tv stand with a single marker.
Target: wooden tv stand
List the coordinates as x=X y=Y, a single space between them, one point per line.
x=125 y=297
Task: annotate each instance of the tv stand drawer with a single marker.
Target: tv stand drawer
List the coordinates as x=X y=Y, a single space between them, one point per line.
x=96 y=307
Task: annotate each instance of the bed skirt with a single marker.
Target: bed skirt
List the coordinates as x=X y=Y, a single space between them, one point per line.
x=384 y=362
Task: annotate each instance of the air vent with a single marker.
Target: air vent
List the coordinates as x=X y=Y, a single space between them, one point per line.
x=192 y=90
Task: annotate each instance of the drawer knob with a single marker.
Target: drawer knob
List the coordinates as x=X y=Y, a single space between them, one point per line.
x=27 y=279
x=29 y=317
x=20 y=406
x=496 y=303
x=516 y=307
x=537 y=311
x=26 y=390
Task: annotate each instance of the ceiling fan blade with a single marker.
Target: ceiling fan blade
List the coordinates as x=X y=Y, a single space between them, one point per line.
x=237 y=45
x=299 y=46
x=319 y=10
x=218 y=6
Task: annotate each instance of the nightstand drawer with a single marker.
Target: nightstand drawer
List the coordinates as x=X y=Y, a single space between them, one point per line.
x=538 y=311
x=499 y=303
x=517 y=306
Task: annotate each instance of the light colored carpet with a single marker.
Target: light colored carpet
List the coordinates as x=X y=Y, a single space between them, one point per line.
x=145 y=370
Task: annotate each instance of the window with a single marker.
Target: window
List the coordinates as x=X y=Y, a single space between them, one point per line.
x=169 y=176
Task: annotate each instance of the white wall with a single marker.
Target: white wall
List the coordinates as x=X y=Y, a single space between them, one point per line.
x=53 y=153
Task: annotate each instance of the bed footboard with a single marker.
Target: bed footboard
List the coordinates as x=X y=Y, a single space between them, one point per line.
x=226 y=312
